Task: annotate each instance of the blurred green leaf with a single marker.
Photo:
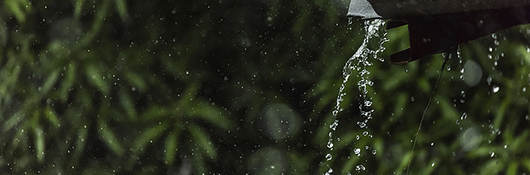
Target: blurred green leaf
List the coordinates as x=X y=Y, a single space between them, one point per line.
x=78 y=6
x=52 y=117
x=39 y=143
x=171 y=147
x=136 y=81
x=96 y=78
x=155 y=112
x=492 y=167
x=80 y=142
x=512 y=168
x=68 y=81
x=109 y=138
x=148 y=136
x=203 y=141
x=121 y=6
x=127 y=104
x=211 y=114
x=19 y=8
x=50 y=81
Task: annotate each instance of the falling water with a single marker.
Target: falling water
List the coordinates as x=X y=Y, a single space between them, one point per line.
x=359 y=62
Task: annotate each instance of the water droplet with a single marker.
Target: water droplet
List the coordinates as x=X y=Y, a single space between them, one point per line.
x=463 y=117
x=492 y=154
x=489 y=80
x=334 y=125
x=330 y=145
x=360 y=168
x=329 y=171
x=328 y=157
x=496 y=89
x=368 y=103
x=357 y=151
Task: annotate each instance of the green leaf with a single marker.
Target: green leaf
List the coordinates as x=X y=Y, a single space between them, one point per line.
x=517 y=144
x=407 y=159
x=127 y=104
x=18 y=8
x=68 y=82
x=155 y=112
x=78 y=7
x=109 y=138
x=121 y=6
x=96 y=24
x=51 y=116
x=13 y=121
x=171 y=147
x=148 y=136
x=136 y=81
x=512 y=168
x=50 y=81
x=95 y=77
x=203 y=141
x=3 y=33
x=80 y=142
x=39 y=143
x=526 y=164
x=211 y=114
x=492 y=167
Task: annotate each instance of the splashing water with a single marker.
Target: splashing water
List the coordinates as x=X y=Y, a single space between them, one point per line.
x=359 y=62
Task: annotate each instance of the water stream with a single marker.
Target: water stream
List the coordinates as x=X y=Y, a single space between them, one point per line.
x=370 y=49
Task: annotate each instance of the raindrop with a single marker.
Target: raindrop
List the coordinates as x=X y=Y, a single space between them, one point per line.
x=328 y=157
x=367 y=103
x=334 y=125
x=357 y=151
x=330 y=145
x=496 y=89
x=360 y=168
x=489 y=80
x=463 y=117
x=329 y=171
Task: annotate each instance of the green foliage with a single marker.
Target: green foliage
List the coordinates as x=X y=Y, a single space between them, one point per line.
x=183 y=87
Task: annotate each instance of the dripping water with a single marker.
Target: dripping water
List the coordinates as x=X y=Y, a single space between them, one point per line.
x=359 y=62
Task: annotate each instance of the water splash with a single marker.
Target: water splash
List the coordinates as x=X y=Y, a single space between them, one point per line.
x=359 y=62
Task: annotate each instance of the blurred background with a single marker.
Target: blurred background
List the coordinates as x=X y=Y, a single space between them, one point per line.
x=245 y=87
